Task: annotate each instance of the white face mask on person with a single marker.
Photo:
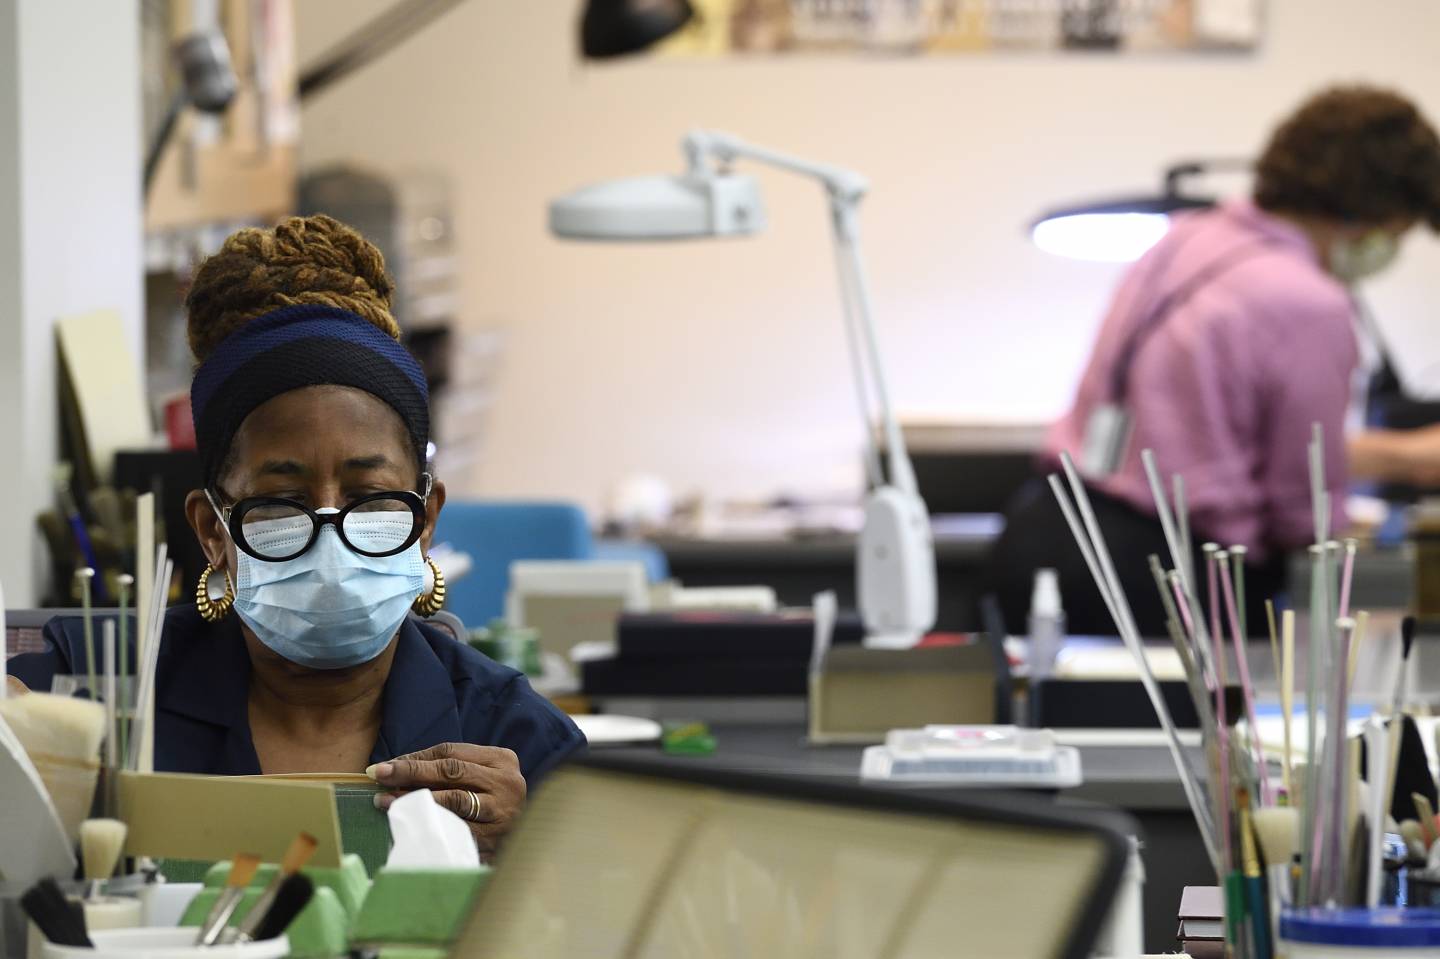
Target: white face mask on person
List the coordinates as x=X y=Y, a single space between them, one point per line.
x=330 y=607
x=1353 y=260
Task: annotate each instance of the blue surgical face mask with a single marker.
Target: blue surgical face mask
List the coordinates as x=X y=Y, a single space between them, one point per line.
x=330 y=607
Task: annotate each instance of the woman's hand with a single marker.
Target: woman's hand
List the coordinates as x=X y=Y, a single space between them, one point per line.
x=480 y=784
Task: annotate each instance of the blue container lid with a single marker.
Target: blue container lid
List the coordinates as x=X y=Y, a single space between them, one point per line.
x=1386 y=926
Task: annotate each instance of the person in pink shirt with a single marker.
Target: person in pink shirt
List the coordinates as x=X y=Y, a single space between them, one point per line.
x=1223 y=345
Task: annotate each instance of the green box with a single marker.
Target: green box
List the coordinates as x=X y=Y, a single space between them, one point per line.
x=418 y=907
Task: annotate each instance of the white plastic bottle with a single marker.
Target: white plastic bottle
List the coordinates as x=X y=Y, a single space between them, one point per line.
x=1047 y=623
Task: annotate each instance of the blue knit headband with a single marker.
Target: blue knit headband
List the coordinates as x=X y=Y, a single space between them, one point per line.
x=295 y=347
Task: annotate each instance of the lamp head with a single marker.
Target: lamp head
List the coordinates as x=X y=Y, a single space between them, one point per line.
x=205 y=70
x=1121 y=230
x=661 y=208
x=614 y=28
x=1114 y=231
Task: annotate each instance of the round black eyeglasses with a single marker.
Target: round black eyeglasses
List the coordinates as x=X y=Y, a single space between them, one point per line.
x=275 y=530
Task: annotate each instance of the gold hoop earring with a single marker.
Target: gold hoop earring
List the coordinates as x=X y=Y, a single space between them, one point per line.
x=212 y=610
x=428 y=604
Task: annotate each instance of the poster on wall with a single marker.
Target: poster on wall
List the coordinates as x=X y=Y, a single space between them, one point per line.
x=941 y=27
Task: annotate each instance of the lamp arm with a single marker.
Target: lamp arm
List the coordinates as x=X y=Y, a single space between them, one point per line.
x=855 y=347
x=1185 y=169
x=845 y=189
x=847 y=240
x=702 y=143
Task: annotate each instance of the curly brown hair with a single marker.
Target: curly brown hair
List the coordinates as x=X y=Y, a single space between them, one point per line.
x=1353 y=153
x=311 y=259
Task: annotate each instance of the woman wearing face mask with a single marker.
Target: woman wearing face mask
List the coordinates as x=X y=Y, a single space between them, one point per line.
x=301 y=653
x=1222 y=346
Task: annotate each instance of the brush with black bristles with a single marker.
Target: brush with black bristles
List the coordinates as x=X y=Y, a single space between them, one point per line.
x=60 y=920
x=291 y=898
x=1397 y=697
x=302 y=847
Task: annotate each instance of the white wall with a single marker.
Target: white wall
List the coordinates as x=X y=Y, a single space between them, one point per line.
x=70 y=229
x=720 y=365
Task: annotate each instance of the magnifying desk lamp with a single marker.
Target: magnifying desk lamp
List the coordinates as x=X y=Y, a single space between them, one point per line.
x=1120 y=230
x=895 y=556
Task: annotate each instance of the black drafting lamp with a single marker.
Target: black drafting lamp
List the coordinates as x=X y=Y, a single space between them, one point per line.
x=608 y=28
x=1121 y=229
x=614 y=28
x=207 y=82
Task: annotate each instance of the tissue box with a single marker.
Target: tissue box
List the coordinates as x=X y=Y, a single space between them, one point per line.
x=417 y=907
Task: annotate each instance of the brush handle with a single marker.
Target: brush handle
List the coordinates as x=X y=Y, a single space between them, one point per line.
x=1258 y=909
x=256 y=915
x=220 y=913
x=1234 y=906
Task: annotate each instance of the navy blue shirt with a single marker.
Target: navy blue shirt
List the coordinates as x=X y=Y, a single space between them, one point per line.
x=439 y=690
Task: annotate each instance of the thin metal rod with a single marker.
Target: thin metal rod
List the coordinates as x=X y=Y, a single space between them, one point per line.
x=1345 y=579
x=1182 y=519
x=1105 y=573
x=1246 y=686
x=1310 y=848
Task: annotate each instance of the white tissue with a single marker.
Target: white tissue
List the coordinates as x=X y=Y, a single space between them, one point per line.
x=429 y=836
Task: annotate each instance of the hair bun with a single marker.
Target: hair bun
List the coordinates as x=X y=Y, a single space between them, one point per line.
x=303 y=260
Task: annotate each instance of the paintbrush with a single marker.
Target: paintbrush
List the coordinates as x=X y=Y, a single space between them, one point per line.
x=101 y=841
x=1256 y=899
x=242 y=870
x=1407 y=643
x=59 y=919
x=294 y=895
x=1278 y=828
x=302 y=847
x=62 y=737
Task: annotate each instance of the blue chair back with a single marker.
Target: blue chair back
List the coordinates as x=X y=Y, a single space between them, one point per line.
x=496 y=533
